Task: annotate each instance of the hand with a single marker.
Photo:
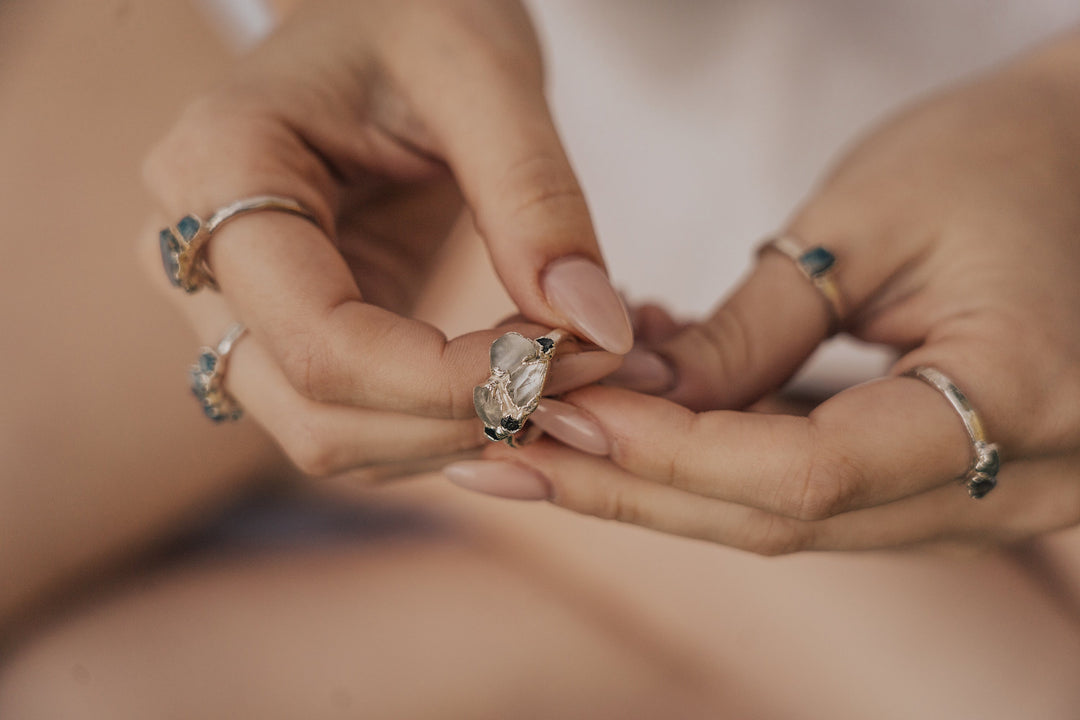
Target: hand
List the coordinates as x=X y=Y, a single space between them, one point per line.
x=384 y=118
x=956 y=227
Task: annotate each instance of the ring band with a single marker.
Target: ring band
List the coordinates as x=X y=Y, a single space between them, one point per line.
x=981 y=477
x=207 y=377
x=183 y=244
x=819 y=267
x=519 y=369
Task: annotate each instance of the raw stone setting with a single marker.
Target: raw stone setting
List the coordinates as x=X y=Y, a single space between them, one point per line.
x=519 y=368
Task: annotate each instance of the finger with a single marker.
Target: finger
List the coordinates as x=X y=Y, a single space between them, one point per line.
x=1034 y=497
x=866 y=446
x=320 y=439
x=285 y=279
x=496 y=133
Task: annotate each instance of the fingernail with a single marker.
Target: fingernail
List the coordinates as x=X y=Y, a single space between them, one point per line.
x=571 y=425
x=579 y=290
x=643 y=371
x=569 y=372
x=501 y=479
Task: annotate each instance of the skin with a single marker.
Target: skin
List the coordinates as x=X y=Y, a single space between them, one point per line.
x=564 y=613
x=955 y=227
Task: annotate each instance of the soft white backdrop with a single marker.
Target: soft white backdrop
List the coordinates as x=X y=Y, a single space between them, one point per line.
x=696 y=126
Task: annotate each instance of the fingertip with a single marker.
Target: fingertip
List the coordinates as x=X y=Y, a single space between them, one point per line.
x=579 y=290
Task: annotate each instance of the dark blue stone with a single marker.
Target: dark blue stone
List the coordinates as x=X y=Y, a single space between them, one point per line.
x=188 y=227
x=492 y=434
x=817 y=261
x=170 y=256
x=545 y=344
x=207 y=362
x=511 y=424
x=979 y=487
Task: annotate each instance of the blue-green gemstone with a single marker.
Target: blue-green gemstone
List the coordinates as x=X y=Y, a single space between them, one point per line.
x=817 y=261
x=170 y=256
x=188 y=227
x=207 y=362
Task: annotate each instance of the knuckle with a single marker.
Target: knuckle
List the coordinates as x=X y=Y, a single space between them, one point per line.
x=775 y=536
x=539 y=182
x=308 y=446
x=825 y=486
x=308 y=365
x=616 y=504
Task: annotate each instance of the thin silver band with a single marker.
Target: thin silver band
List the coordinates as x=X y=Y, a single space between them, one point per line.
x=818 y=265
x=981 y=476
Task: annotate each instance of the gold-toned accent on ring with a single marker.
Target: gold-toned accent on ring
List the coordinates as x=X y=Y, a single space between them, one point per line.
x=981 y=476
x=183 y=244
x=207 y=377
x=818 y=265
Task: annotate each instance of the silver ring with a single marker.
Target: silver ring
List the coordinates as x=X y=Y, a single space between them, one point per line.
x=981 y=477
x=519 y=370
x=818 y=265
x=183 y=244
x=207 y=377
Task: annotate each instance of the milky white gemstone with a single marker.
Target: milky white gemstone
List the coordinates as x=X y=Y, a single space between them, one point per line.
x=511 y=350
x=488 y=407
x=527 y=382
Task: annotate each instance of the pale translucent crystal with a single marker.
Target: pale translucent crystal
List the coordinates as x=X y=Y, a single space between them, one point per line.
x=526 y=383
x=487 y=405
x=511 y=350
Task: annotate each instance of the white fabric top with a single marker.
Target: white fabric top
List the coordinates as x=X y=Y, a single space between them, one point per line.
x=697 y=126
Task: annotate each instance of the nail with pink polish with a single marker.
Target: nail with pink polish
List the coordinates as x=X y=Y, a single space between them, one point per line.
x=643 y=371
x=571 y=425
x=579 y=290
x=500 y=479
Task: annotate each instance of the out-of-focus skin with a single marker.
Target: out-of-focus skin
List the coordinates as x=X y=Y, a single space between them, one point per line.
x=510 y=610
x=955 y=227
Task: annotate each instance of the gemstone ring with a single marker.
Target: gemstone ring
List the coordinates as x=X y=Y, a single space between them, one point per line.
x=183 y=244
x=519 y=369
x=819 y=267
x=981 y=476
x=207 y=377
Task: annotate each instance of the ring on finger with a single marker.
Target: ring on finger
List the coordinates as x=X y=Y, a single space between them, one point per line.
x=207 y=377
x=818 y=265
x=981 y=476
x=183 y=245
x=519 y=370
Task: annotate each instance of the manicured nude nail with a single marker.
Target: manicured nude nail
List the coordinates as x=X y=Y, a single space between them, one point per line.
x=571 y=425
x=579 y=290
x=643 y=371
x=569 y=372
x=501 y=479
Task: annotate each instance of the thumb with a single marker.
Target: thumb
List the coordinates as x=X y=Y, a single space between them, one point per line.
x=752 y=343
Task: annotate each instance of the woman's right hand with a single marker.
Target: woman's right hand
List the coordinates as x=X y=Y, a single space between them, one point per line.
x=385 y=118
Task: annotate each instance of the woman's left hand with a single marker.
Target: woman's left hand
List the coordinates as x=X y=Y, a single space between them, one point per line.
x=956 y=228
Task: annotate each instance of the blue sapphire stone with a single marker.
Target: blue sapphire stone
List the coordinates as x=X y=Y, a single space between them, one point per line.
x=188 y=227
x=817 y=261
x=545 y=344
x=492 y=434
x=511 y=424
x=170 y=256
